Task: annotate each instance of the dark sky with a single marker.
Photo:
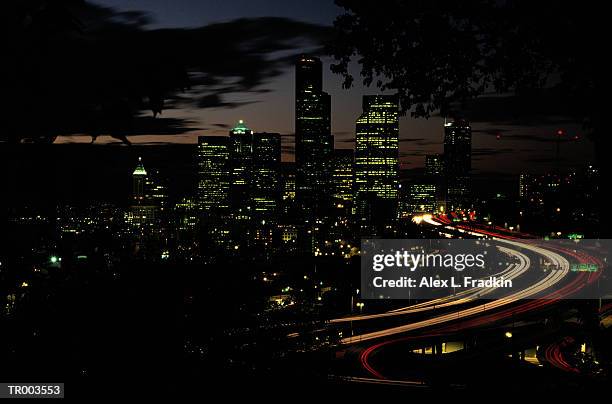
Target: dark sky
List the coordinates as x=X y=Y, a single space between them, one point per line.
x=523 y=146
x=194 y=13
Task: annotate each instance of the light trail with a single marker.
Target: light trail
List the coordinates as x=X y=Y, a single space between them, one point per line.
x=511 y=272
x=576 y=284
x=554 y=356
x=552 y=278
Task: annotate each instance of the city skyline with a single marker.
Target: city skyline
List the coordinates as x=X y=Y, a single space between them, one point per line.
x=202 y=193
x=523 y=140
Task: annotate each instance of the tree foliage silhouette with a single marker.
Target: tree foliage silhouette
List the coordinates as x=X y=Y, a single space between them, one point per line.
x=73 y=67
x=438 y=53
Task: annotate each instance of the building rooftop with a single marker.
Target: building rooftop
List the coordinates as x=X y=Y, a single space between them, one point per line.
x=139 y=170
x=241 y=128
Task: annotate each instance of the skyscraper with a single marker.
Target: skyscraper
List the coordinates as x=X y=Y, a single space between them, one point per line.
x=376 y=164
x=343 y=178
x=288 y=188
x=314 y=142
x=458 y=147
x=139 y=178
x=144 y=216
x=156 y=192
x=421 y=197
x=458 y=163
x=434 y=165
x=266 y=186
x=241 y=163
x=434 y=176
x=214 y=177
x=213 y=173
x=241 y=181
x=265 y=190
x=341 y=228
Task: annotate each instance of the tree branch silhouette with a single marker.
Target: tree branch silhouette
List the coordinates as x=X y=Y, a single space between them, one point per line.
x=78 y=68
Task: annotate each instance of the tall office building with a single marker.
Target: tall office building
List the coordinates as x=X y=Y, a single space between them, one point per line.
x=213 y=172
x=314 y=142
x=156 y=191
x=141 y=214
x=376 y=164
x=265 y=190
x=139 y=178
x=434 y=165
x=241 y=164
x=186 y=216
x=341 y=228
x=434 y=175
x=422 y=197
x=266 y=181
x=458 y=164
x=288 y=187
x=458 y=147
x=343 y=177
x=214 y=178
x=144 y=216
x=241 y=182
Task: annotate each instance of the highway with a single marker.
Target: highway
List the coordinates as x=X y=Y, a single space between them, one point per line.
x=550 y=280
x=482 y=314
x=511 y=272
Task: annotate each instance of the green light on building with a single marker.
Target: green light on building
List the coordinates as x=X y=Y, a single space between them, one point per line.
x=139 y=170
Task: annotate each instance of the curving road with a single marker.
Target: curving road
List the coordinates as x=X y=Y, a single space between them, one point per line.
x=551 y=279
x=483 y=314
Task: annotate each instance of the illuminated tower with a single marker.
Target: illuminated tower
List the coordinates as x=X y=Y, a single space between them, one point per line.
x=139 y=178
x=265 y=190
x=342 y=178
x=266 y=182
x=458 y=163
x=156 y=192
x=241 y=165
x=434 y=165
x=458 y=147
x=213 y=173
x=422 y=197
x=376 y=164
x=143 y=216
x=288 y=187
x=241 y=139
x=313 y=139
x=342 y=183
x=214 y=177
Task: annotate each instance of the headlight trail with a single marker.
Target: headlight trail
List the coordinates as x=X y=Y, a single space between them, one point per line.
x=552 y=278
x=511 y=272
x=580 y=281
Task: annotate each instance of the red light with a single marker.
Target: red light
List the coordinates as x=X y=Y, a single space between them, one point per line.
x=560 y=132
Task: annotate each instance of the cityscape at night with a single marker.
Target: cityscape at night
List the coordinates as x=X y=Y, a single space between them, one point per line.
x=199 y=196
